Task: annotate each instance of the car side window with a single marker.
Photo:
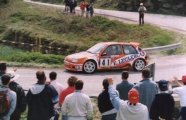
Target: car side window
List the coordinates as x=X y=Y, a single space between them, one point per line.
x=113 y=50
x=128 y=49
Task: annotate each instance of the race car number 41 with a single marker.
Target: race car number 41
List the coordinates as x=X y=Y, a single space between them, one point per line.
x=105 y=62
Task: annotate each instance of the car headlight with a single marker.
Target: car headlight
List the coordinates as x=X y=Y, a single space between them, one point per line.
x=74 y=60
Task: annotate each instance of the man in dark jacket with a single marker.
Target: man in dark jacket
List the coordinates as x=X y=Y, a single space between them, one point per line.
x=163 y=104
x=2 y=70
x=124 y=87
x=104 y=104
x=21 y=99
x=41 y=98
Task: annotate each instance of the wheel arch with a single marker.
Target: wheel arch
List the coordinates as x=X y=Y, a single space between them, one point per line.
x=96 y=64
x=133 y=65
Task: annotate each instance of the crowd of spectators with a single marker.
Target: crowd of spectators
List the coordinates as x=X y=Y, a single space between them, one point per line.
x=46 y=100
x=85 y=7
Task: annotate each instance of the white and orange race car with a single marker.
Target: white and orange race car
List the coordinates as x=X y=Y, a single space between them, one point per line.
x=108 y=55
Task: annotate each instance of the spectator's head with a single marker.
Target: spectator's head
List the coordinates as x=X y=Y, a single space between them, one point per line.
x=146 y=73
x=3 y=67
x=105 y=84
x=124 y=75
x=40 y=75
x=53 y=76
x=5 y=79
x=163 y=85
x=184 y=79
x=141 y=4
x=79 y=85
x=13 y=75
x=72 y=80
x=133 y=96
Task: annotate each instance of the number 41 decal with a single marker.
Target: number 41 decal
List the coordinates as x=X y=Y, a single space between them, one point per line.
x=105 y=62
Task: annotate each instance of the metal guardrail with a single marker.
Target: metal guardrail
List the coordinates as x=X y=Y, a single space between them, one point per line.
x=162 y=48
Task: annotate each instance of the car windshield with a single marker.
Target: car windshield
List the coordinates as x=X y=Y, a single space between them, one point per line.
x=96 y=48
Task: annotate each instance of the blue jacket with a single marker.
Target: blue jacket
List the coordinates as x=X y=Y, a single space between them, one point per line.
x=147 y=90
x=123 y=89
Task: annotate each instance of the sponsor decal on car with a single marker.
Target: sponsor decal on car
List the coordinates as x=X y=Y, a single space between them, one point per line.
x=127 y=58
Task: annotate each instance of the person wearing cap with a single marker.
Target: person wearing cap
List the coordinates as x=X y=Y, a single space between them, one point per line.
x=129 y=109
x=21 y=98
x=124 y=87
x=105 y=106
x=181 y=91
x=3 y=69
x=163 y=104
x=147 y=88
x=142 y=9
x=11 y=95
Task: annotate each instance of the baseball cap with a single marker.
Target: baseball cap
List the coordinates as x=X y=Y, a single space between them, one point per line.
x=141 y=3
x=163 y=85
x=133 y=96
x=184 y=78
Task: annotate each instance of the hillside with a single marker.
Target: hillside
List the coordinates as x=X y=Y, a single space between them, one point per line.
x=25 y=23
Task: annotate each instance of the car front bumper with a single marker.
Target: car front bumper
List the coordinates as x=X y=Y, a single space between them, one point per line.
x=73 y=66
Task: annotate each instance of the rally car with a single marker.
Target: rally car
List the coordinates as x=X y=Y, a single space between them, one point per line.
x=108 y=55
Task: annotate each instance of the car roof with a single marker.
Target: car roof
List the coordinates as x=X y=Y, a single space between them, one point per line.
x=125 y=43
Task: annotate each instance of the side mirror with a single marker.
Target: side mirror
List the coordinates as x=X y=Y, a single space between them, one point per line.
x=104 y=54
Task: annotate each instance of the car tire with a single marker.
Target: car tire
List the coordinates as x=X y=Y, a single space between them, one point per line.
x=139 y=65
x=89 y=66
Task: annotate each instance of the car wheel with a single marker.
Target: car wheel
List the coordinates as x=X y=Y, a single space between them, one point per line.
x=139 y=64
x=89 y=66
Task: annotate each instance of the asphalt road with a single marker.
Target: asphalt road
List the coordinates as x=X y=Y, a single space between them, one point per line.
x=166 y=66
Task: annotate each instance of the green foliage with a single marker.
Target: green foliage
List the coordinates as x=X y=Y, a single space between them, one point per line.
x=6 y=52
x=37 y=58
x=26 y=23
x=15 y=55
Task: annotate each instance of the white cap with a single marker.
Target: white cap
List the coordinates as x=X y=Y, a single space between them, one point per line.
x=141 y=3
x=13 y=75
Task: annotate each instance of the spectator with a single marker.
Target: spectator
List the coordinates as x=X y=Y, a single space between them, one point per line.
x=3 y=69
x=88 y=9
x=72 y=4
x=147 y=89
x=163 y=104
x=11 y=95
x=41 y=98
x=54 y=83
x=181 y=91
x=105 y=106
x=82 y=7
x=91 y=9
x=70 y=89
x=124 y=87
x=142 y=9
x=59 y=88
x=129 y=109
x=21 y=99
x=77 y=105
x=67 y=5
